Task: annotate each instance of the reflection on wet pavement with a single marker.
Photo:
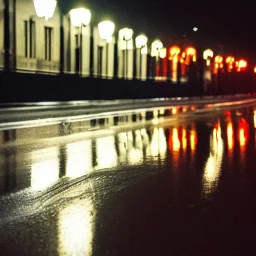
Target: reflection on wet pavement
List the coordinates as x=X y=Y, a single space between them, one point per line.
x=156 y=190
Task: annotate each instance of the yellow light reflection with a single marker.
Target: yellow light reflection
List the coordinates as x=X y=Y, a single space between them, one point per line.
x=213 y=164
x=175 y=140
x=158 y=144
x=254 y=118
x=106 y=152
x=45 y=168
x=230 y=136
x=193 y=140
x=174 y=111
x=79 y=158
x=242 y=138
x=75 y=229
x=184 y=139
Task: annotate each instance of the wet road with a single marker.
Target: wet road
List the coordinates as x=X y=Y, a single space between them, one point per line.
x=175 y=188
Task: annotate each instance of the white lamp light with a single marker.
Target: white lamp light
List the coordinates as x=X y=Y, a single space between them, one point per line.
x=45 y=8
x=207 y=54
x=156 y=46
x=80 y=16
x=106 y=30
x=141 y=41
x=126 y=34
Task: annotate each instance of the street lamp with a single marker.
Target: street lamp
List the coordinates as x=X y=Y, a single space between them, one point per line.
x=156 y=47
x=45 y=8
x=79 y=17
x=125 y=35
x=207 y=55
x=141 y=43
x=106 y=30
x=174 y=57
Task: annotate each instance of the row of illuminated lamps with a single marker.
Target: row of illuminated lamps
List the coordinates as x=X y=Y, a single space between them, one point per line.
x=82 y=16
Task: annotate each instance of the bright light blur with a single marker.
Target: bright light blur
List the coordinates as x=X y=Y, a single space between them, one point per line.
x=79 y=159
x=106 y=152
x=184 y=139
x=158 y=145
x=75 y=233
x=125 y=39
x=126 y=34
x=213 y=164
x=195 y=29
x=208 y=55
x=254 y=70
x=242 y=64
x=175 y=50
x=163 y=53
x=193 y=140
x=156 y=46
x=230 y=60
x=190 y=55
x=45 y=8
x=141 y=41
x=80 y=16
x=254 y=118
x=230 y=135
x=106 y=29
x=218 y=59
x=175 y=140
x=44 y=172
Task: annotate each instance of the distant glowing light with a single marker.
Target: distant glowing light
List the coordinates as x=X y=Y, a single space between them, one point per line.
x=141 y=41
x=156 y=46
x=45 y=8
x=195 y=29
x=106 y=29
x=80 y=16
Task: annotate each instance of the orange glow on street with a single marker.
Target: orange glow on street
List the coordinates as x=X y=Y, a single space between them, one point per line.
x=230 y=135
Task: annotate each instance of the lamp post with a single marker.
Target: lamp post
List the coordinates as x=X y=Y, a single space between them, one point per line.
x=156 y=47
x=207 y=55
x=125 y=35
x=79 y=17
x=141 y=43
x=106 y=30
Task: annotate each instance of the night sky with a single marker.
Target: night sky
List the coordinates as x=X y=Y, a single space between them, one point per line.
x=223 y=25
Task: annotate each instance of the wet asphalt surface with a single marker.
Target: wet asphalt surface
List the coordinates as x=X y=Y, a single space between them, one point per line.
x=186 y=188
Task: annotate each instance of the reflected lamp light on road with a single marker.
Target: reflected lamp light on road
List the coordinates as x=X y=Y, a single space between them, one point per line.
x=156 y=46
x=106 y=29
x=45 y=8
x=80 y=16
x=141 y=41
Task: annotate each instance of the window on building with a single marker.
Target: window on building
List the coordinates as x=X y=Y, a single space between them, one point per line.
x=48 y=34
x=29 y=39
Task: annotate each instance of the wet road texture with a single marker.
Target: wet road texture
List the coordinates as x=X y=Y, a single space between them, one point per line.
x=176 y=188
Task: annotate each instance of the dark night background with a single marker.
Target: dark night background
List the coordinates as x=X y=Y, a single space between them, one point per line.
x=223 y=25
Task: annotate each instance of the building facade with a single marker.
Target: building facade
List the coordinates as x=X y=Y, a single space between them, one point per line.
x=37 y=45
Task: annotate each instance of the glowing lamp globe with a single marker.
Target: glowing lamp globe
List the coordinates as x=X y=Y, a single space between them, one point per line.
x=141 y=41
x=80 y=16
x=45 y=8
x=126 y=34
x=207 y=54
x=106 y=29
x=156 y=46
